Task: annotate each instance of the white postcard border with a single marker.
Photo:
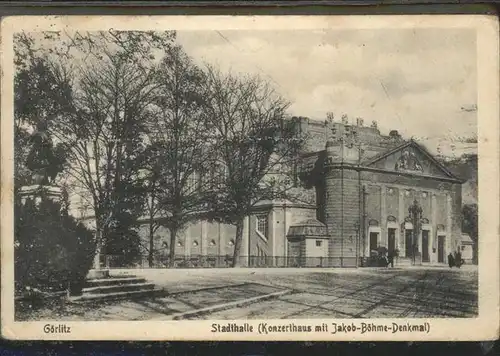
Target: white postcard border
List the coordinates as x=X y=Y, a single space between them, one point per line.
x=484 y=327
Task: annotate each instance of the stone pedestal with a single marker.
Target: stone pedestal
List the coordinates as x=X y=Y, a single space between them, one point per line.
x=98 y=274
x=36 y=192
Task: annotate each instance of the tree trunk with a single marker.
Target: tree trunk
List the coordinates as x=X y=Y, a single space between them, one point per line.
x=151 y=245
x=173 y=237
x=237 y=243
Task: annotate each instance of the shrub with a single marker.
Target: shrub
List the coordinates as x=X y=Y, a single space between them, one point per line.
x=53 y=251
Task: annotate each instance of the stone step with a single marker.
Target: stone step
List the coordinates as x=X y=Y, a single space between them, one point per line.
x=114 y=281
x=403 y=262
x=91 y=297
x=106 y=289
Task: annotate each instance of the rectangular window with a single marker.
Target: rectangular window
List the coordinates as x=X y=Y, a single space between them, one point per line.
x=373 y=241
x=262 y=225
x=319 y=243
x=192 y=183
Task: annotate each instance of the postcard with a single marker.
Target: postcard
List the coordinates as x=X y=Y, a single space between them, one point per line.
x=250 y=178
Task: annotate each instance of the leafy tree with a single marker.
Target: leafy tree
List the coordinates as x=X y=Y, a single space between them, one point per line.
x=254 y=139
x=470 y=225
x=40 y=96
x=176 y=159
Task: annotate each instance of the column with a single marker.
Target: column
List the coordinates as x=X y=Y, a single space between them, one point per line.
x=187 y=241
x=401 y=222
x=244 y=240
x=220 y=242
x=433 y=238
x=287 y=218
x=448 y=225
x=383 y=216
x=204 y=238
x=421 y=231
x=272 y=225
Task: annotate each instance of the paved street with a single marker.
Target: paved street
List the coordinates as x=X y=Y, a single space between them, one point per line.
x=408 y=294
x=307 y=293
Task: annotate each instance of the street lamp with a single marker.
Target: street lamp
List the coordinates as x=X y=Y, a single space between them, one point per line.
x=415 y=212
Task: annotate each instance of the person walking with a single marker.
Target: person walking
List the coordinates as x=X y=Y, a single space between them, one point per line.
x=390 y=257
x=458 y=258
x=451 y=260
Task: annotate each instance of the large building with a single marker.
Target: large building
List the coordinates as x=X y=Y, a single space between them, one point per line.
x=357 y=189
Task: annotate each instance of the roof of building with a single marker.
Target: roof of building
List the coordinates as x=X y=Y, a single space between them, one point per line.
x=418 y=147
x=309 y=222
x=309 y=227
x=466 y=239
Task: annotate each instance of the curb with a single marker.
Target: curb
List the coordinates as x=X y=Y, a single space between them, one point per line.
x=220 y=307
x=128 y=295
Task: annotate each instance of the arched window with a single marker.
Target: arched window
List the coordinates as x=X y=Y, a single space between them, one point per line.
x=231 y=242
x=195 y=243
x=373 y=222
x=212 y=243
x=179 y=243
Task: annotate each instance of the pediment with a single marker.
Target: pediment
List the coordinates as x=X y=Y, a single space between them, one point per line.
x=410 y=158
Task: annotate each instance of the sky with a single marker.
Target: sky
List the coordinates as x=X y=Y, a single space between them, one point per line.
x=421 y=82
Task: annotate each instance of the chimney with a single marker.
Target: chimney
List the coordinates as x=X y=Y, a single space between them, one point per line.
x=359 y=121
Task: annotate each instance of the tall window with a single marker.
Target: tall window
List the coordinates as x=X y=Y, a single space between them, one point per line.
x=262 y=225
x=192 y=183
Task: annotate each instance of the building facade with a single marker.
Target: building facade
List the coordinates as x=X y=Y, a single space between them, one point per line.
x=357 y=187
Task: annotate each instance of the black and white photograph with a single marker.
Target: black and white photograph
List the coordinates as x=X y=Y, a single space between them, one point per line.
x=306 y=175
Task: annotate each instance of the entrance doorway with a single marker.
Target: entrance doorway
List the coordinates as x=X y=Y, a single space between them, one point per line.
x=391 y=240
x=441 y=244
x=409 y=243
x=373 y=241
x=425 y=246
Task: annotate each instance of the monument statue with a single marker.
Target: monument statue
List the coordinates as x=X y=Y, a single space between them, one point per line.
x=44 y=160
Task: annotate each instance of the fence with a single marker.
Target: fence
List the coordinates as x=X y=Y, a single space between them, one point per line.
x=226 y=261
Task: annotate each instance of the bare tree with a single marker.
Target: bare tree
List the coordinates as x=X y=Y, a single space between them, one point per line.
x=113 y=85
x=177 y=156
x=254 y=141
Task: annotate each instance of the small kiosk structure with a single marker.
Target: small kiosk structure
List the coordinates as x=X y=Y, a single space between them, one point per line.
x=308 y=244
